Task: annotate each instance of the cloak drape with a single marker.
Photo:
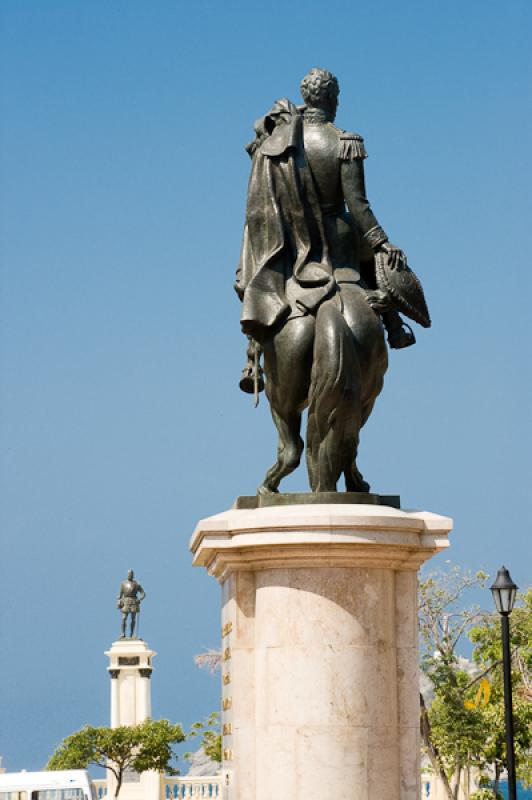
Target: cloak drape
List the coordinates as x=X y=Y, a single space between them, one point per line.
x=284 y=224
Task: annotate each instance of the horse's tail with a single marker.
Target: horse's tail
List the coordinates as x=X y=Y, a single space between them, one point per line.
x=334 y=410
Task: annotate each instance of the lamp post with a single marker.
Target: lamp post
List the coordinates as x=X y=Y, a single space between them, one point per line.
x=504 y=591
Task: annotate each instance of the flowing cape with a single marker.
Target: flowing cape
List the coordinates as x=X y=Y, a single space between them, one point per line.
x=283 y=223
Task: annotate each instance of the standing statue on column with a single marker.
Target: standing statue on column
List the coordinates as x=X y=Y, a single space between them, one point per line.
x=129 y=600
x=320 y=282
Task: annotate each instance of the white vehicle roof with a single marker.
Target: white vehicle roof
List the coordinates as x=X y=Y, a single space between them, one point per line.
x=47 y=778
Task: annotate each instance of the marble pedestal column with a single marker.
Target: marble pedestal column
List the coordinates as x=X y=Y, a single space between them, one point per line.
x=130 y=668
x=320 y=687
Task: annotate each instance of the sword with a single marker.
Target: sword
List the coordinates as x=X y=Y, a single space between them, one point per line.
x=256 y=367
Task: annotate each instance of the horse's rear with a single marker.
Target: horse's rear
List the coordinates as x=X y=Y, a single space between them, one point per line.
x=349 y=363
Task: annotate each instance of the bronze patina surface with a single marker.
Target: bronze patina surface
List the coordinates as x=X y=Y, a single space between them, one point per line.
x=129 y=599
x=312 y=305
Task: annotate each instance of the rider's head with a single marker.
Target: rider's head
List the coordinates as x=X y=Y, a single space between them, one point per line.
x=319 y=89
x=130 y=575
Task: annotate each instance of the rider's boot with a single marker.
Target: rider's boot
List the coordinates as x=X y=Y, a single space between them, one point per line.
x=400 y=334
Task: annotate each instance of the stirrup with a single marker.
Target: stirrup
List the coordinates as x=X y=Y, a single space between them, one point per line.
x=401 y=337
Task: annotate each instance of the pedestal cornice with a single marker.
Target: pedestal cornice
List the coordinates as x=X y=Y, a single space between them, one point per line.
x=318 y=535
x=129 y=655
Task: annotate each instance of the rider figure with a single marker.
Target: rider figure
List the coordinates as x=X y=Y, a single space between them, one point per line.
x=350 y=234
x=129 y=600
x=353 y=234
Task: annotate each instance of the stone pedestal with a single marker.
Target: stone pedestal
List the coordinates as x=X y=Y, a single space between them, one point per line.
x=130 y=668
x=320 y=686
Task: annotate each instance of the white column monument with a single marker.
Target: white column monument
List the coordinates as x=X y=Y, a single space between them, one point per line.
x=130 y=668
x=320 y=686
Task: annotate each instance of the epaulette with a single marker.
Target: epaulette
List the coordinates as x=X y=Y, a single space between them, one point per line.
x=351 y=146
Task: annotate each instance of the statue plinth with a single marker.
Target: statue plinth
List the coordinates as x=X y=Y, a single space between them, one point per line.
x=320 y=682
x=316 y=498
x=130 y=668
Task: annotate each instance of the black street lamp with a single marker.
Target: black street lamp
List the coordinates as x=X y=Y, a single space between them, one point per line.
x=504 y=591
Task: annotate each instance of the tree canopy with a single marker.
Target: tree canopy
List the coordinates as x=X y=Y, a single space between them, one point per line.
x=211 y=738
x=142 y=747
x=463 y=728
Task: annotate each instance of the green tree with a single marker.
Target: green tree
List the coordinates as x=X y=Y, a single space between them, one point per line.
x=136 y=747
x=211 y=738
x=487 y=654
x=457 y=731
x=486 y=793
x=209 y=729
x=464 y=728
x=451 y=733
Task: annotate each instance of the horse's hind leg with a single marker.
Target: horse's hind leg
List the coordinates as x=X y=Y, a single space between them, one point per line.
x=288 y=452
x=287 y=360
x=354 y=482
x=334 y=417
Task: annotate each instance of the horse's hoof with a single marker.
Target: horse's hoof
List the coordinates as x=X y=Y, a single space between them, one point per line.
x=356 y=483
x=266 y=490
x=360 y=486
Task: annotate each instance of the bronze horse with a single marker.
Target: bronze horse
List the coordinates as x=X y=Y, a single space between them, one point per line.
x=307 y=280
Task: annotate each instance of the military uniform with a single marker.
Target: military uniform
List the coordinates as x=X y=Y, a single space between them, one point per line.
x=309 y=225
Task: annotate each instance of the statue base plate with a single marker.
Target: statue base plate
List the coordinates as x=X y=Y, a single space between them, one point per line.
x=316 y=498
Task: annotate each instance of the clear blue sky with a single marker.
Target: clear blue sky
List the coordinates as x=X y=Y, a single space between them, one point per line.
x=123 y=182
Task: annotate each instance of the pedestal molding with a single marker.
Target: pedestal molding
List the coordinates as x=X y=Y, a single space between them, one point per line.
x=331 y=535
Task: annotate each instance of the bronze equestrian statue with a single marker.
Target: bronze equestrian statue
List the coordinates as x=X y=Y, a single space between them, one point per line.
x=319 y=282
